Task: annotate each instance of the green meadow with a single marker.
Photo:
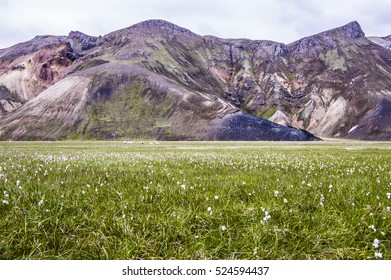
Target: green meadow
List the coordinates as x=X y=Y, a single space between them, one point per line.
x=195 y=200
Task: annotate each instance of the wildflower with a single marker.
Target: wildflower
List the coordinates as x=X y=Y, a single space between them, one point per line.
x=376 y=243
x=388 y=208
x=40 y=202
x=330 y=188
x=209 y=209
x=223 y=228
x=5 y=202
x=372 y=227
x=353 y=204
x=382 y=233
x=183 y=187
x=388 y=195
x=216 y=197
x=6 y=195
x=276 y=193
x=83 y=192
x=17 y=183
x=285 y=200
x=378 y=255
x=321 y=200
x=266 y=218
x=196 y=237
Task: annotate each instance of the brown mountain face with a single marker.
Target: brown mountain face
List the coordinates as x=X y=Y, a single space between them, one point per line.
x=157 y=80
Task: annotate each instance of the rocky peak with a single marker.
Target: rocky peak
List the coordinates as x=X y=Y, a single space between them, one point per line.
x=85 y=42
x=36 y=44
x=313 y=45
x=351 y=30
x=164 y=25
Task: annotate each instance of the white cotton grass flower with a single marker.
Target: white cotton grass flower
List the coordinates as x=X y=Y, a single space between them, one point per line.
x=266 y=218
x=378 y=255
x=223 y=228
x=376 y=243
x=210 y=211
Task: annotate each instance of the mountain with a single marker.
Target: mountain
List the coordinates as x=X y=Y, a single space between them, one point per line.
x=158 y=80
x=382 y=41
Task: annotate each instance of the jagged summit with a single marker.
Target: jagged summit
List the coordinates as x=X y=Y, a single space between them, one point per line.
x=316 y=44
x=82 y=41
x=351 y=30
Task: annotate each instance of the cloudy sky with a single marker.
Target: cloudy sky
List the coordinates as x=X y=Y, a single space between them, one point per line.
x=277 y=20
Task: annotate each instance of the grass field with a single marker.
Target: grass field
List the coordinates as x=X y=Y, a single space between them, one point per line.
x=195 y=200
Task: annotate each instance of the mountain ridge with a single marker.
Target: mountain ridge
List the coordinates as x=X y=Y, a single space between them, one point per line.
x=325 y=83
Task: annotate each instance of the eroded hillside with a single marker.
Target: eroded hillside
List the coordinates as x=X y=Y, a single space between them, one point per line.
x=157 y=80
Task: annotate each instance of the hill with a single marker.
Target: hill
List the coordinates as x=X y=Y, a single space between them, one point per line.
x=158 y=80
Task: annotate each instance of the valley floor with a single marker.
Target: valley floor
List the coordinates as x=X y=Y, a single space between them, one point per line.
x=195 y=200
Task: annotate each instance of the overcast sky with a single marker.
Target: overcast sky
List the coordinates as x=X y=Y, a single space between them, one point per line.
x=278 y=20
